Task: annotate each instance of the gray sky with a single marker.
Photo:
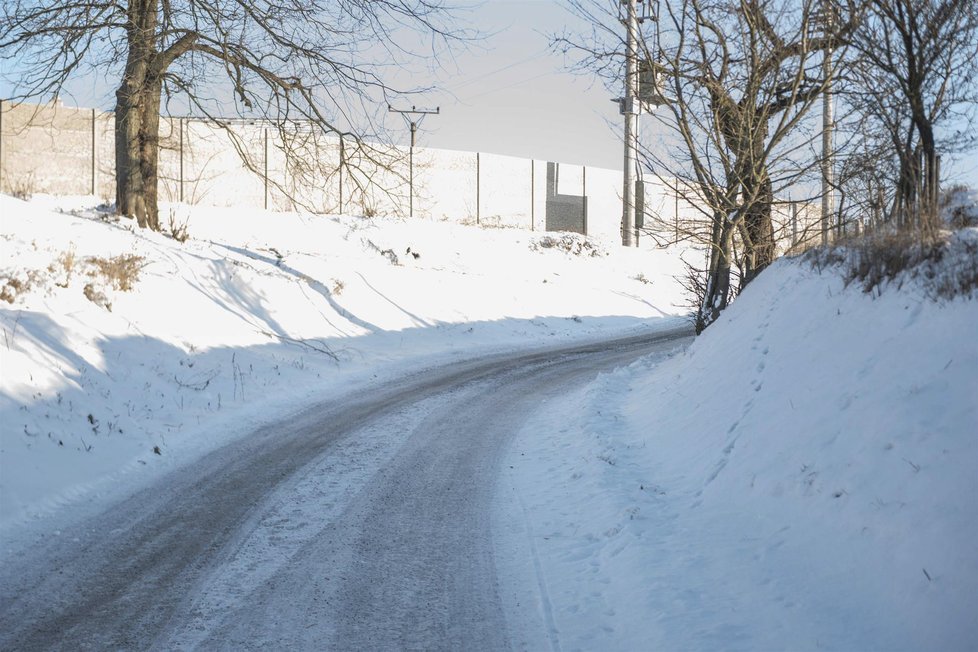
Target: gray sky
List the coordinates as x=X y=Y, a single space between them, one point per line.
x=512 y=95
x=508 y=93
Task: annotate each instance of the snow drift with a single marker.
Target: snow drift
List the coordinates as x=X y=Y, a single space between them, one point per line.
x=802 y=477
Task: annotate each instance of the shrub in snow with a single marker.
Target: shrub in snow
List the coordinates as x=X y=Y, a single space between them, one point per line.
x=945 y=266
x=571 y=243
x=17 y=283
x=121 y=272
x=959 y=207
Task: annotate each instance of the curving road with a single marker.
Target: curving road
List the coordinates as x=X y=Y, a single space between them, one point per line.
x=358 y=524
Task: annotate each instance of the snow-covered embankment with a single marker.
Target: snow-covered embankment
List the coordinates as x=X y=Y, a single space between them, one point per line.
x=126 y=352
x=802 y=477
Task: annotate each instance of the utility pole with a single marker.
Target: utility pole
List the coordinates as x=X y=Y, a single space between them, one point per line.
x=643 y=91
x=825 y=21
x=408 y=115
x=630 y=108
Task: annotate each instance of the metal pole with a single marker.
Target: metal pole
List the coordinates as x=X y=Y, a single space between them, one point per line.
x=414 y=130
x=628 y=235
x=94 y=180
x=265 y=163
x=181 y=160
x=533 y=203
x=677 y=215
x=794 y=223
x=584 y=196
x=342 y=161
x=827 y=196
x=1 y=145
x=478 y=189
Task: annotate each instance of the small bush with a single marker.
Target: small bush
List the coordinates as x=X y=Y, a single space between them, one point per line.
x=11 y=288
x=16 y=285
x=571 y=243
x=97 y=297
x=179 y=230
x=67 y=261
x=121 y=271
x=24 y=187
x=959 y=207
x=946 y=266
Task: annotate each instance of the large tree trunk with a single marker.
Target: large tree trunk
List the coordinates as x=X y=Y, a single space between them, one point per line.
x=137 y=120
x=718 y=276
x=762 y=249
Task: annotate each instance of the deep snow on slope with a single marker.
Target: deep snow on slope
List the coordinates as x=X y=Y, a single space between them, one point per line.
x=256 y=315
x=803 y=476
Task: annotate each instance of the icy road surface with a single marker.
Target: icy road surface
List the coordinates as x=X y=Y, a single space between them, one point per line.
x=363 y=523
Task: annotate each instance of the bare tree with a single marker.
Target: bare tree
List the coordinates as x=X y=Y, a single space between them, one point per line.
x=913 y=72
x=289 y=62
x=740 y=77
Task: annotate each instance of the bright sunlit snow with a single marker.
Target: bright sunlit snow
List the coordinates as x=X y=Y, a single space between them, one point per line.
x=258 y=314
x=801 y=477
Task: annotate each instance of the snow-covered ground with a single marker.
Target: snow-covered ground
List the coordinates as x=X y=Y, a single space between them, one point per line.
x=804 y=476
x=254 y=316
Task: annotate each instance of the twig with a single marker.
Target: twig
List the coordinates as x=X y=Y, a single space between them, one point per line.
x=318 y=347
x=198 y=385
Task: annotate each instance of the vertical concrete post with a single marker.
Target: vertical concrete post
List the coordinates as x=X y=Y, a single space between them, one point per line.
x=180 y=180
x=794 y=223
x=629 y=235
x=1 y=145
x=677 y=215
x=342 y=161
x=584 y=196
x=94 y=150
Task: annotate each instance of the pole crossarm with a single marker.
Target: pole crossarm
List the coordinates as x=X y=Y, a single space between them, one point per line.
x=414 y=117
x=408 y=115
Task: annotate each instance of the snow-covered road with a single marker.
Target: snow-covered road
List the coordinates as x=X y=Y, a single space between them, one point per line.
x=363 y=523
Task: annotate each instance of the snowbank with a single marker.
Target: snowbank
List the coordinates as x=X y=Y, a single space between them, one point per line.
x=803 y=476
x=257 y=315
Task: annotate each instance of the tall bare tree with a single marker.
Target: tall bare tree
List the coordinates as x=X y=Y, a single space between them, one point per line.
x=318 y=62
x=914 y=73
x=740 y=77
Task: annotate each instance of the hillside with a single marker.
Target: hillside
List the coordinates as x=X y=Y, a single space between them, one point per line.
x=802 y=477
x=126 y=352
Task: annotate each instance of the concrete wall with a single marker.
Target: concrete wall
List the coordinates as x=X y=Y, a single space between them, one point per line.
x=62 y=150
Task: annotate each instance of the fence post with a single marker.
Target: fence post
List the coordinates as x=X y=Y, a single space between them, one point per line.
x=1 y=145
x=94 y=179
x=478 y=189
x=676 y=214
x=584 y=196
x=533 y=189
x=794 y=223
x=180 y=180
